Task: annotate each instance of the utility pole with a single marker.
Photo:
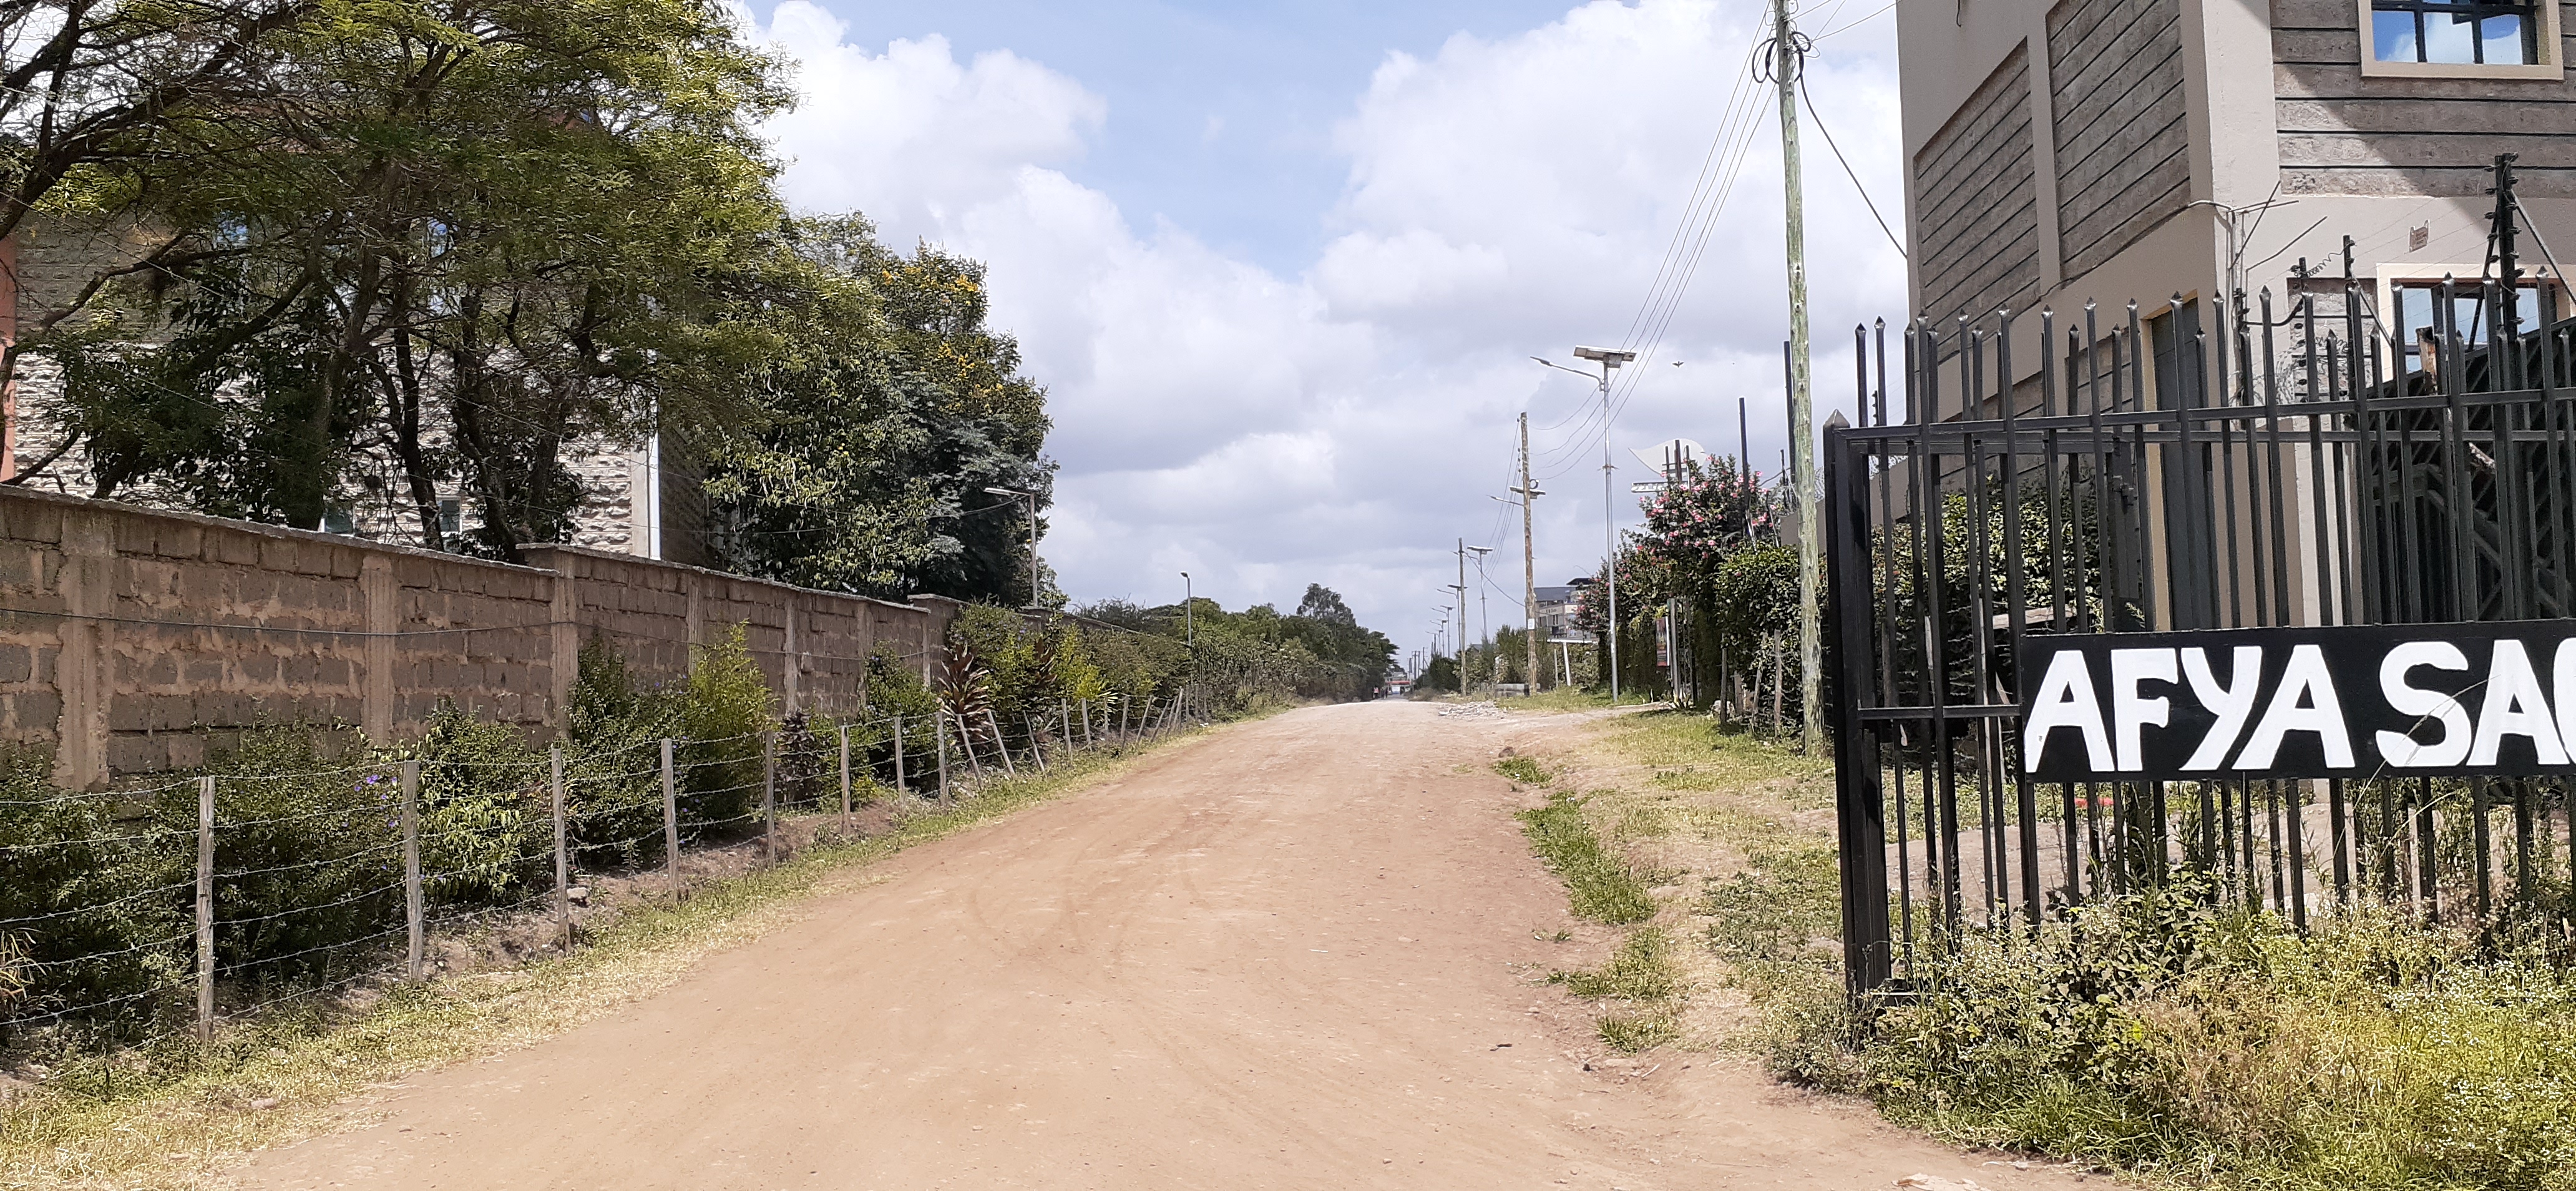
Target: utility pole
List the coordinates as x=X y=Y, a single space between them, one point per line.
x=1484 y=616
x=1461 y=588
x=1609 y=360
x=1529 y=561
x=1788 y=57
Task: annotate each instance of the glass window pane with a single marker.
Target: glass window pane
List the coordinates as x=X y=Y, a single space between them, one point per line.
x=2392 y=36
x=2504 y=41
x=2448 y=39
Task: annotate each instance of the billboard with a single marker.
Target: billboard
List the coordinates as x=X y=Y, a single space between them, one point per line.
x=2361 y=701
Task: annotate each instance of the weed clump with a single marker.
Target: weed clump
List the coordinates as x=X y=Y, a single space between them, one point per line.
x=1641 y=978
x=1601 y=886
x=2163 y=1031
x=1527 y=771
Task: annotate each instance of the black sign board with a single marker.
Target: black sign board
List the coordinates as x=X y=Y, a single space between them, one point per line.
x=2495 y=699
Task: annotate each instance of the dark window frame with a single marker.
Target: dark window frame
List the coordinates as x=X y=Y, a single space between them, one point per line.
x=2474 y=14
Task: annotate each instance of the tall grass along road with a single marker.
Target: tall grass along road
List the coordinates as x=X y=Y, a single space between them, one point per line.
x=1309 y=951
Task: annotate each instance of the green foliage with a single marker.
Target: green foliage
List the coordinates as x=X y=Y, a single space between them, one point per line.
x=1440 y=677
x=887 y=411
x=612 y=763
x=726 y=710
x=486 y=819
x=82 y=876
x=2161 y=1032
x=434 y=243
x=1602 y=886
x=1525 y=770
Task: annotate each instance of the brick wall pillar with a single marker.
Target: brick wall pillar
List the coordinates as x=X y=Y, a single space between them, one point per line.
x=82 y=670
x=567 y=637
x=382 y=595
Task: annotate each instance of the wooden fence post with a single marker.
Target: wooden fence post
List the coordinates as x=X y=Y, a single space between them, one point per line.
x=939 y=723
x=1001 y=743
x=1086 y=723
x=670 y=819
x=769 y=795
x=563 y=859
x=1037 y=746
x=845 y=780
x=205 y=908
x=900 y=788
x=412 y=908
x=966 y=741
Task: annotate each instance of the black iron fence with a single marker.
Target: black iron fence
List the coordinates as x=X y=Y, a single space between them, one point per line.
x=2307 y=466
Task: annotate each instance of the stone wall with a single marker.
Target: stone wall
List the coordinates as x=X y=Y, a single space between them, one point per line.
x=133 y=640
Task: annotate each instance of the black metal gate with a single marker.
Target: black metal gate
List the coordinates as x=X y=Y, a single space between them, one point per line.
x=2298 y=468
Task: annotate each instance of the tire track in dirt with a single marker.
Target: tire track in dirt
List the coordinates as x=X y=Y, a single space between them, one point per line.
x=1293 y=954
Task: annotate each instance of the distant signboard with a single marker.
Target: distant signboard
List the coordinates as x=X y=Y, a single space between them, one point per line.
x=2495 y=699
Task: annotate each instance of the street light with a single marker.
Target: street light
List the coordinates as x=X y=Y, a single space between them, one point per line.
x=1609 y=359
x=1189 y=624
x=1032 y=498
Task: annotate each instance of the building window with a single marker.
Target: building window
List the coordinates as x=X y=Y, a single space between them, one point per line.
x=2462 y=37
x=2412 y=307
x=451 y=516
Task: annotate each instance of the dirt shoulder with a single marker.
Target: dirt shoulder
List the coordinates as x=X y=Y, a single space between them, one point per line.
x=1298 y=953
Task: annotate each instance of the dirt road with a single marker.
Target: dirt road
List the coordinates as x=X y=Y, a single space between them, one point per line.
x=1296 y=954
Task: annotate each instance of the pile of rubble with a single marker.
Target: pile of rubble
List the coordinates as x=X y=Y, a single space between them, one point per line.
x=1473 y=711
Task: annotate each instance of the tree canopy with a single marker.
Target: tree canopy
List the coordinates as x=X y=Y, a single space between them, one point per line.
x=380 y=250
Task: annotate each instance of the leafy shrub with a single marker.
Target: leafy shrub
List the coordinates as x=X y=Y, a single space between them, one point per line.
x=725 y=710
x=612 y=766
x=2160 y=1031
x=308 y=855
x=486 y=813
x=92 y=919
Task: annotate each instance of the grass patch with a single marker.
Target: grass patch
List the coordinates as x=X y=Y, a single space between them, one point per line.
x=168 y=1117
x=1640 y=970
x=1557 y=700
x=1641 y=976
x=1524 y=770
x=1601 y=886
x=1635 y=1033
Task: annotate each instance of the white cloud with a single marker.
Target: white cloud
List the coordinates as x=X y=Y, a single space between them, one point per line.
x=1504 y=198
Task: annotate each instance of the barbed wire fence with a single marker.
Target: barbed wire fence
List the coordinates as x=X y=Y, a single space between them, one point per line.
x=162 y=911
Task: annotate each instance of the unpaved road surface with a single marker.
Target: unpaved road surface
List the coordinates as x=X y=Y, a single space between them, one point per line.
x=1297 y=954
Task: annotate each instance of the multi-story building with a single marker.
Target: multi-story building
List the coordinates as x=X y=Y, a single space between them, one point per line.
x=2172 y=152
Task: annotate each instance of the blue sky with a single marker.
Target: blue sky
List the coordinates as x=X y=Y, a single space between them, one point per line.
x=1282 y=267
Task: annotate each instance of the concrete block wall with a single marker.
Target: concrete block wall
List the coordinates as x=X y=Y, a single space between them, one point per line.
x=134 y=640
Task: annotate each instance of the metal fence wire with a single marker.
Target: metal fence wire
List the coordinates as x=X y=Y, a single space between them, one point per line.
x=2311 y=466
x=174 y=907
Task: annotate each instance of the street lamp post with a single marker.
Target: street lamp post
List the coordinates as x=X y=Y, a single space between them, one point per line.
x=1609 y=359
x=1016 y=494
x=1189 y=622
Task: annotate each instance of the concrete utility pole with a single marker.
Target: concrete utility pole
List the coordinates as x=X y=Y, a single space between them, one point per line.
x=1484 y=616
x=1189 y=612
x=1529 y=561
x=1461 y=588
x=1788 y=57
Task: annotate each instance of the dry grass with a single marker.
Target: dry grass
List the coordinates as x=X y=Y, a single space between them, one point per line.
x=110 y=1124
